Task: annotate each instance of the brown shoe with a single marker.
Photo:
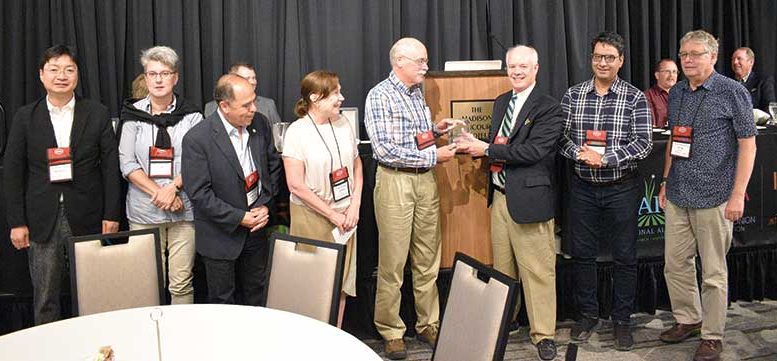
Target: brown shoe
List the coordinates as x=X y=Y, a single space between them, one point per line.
x=395 y=349
x=429 y=335
x=679 y=332
x=708 y=350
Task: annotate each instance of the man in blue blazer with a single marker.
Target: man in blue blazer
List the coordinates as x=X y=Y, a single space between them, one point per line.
x=525 y=128
x=61 y=176
x=230 y=171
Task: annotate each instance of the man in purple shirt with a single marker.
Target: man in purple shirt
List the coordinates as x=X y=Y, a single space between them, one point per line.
x=666 y=73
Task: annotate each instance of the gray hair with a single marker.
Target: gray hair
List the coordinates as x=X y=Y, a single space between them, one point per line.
x=703 y=37
x=748 y=51
x=163 y=54
x=535 y=55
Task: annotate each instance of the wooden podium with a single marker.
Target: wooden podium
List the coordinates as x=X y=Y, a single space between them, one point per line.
x=461 y=182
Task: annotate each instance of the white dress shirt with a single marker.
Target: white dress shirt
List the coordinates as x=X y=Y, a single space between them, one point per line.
x=240 y=144
x=62 y=121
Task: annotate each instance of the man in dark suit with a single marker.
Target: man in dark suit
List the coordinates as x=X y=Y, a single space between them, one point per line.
x=525 y=128
x=61 y=176
x=230 y=171
x=761 y=87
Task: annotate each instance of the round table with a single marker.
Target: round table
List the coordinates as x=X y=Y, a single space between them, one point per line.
x=187 y=332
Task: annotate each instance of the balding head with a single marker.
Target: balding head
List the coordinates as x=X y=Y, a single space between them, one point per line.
x=235 y=97
x=409 y=61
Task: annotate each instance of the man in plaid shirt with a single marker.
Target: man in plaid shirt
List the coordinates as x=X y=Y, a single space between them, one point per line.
x=607 y=129
x=407 y=206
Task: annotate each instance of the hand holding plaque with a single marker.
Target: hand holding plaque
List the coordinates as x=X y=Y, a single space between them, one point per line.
x=457 y=131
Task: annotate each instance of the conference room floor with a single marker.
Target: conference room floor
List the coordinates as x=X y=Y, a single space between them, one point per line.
x=751 y=334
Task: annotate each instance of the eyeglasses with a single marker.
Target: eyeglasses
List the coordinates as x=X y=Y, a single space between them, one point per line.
x=419 y=61
x=69 y=71
x=693 y=55
x=163 y=74
x=669 y=71
x=609 y=59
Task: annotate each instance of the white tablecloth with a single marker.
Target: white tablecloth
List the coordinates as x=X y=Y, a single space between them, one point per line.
x=188 y=332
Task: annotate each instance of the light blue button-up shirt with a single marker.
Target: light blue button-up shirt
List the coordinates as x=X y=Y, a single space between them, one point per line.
x=136 y=138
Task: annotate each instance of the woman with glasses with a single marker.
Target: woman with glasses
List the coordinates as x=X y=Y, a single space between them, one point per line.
x=323 y=170
x=150 y=158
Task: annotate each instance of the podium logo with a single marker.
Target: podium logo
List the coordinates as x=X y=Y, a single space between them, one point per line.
x=650 y=212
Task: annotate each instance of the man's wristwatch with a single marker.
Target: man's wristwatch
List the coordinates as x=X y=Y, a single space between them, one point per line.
x=604 y=161
x=485 y=150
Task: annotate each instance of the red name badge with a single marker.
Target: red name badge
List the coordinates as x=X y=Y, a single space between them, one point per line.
x=596 y=140
x=252 y=191
x=60 y=165
x=160 y=162
x=424 y=139
x=681 y=141
x=338 y=179
x=497 y=166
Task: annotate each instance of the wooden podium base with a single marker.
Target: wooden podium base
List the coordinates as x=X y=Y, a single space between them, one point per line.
x=462 y=182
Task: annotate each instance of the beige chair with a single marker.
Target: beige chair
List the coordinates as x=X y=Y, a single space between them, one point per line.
x=473 y=325
x=304 y=276
x=117 y=276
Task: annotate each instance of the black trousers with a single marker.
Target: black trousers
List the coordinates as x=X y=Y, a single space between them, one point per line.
x=238 y=281
x=605 y=214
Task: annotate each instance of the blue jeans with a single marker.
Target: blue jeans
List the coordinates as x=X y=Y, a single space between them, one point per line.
x=604 y=213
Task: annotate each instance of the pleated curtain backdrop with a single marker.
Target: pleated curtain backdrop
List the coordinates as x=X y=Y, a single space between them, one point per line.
x=287 y=39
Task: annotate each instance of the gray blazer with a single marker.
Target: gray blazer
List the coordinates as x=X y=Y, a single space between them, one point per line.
x=214 y=181
x=265 y=106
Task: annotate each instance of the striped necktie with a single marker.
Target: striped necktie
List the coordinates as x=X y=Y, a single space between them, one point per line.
x=504 y=131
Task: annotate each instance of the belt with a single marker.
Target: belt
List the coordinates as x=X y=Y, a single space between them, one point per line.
x=406 y=169
x=499 y=189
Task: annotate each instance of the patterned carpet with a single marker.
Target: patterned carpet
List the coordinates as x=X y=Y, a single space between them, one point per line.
x=751 y=334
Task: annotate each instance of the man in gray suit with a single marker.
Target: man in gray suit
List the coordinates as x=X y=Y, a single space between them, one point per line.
x=231 y=171
x=265 y=106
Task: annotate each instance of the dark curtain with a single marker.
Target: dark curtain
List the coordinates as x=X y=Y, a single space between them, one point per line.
x=286 y=39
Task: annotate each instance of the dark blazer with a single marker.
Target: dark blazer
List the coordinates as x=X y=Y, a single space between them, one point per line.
x=529 y=156
x=214 y=182
x=94 y=193
x=761 y=89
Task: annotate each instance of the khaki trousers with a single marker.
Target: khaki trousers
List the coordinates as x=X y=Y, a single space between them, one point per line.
x=177 y=238
x=407 y=209
x=309 y=224
x=709 y=232
x=527 y=252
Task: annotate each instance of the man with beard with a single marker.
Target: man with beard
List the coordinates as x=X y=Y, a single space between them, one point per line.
x=407 y=205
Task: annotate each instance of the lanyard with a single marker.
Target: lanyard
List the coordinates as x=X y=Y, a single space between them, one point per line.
x=337 y=144
x=682 y=100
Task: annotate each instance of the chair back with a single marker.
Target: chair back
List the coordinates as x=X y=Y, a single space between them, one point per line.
x=474 y=323
x=117 y=276
x=304 y=276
